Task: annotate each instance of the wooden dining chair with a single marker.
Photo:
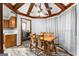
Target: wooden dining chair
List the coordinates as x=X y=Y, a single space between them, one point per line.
x=41 y=39
x=33 y=42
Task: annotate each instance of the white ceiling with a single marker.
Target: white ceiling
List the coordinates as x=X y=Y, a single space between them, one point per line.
x=54 y=9
x=65 y=4
x=13 y=3
x=24 y=8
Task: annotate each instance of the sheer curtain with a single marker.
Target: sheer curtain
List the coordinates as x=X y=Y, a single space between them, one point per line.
x=66 y=30
x=44 y=25
x=38 y=25
x=78 y=29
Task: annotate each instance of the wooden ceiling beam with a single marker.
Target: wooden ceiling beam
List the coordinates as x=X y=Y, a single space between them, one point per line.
x=61 y=6
x=18 y=12
x=18 y=5
x=15 y=7
x=9 y=5
x=30 y=8
x=48 y=9
x=70 y=4
x=38 y=17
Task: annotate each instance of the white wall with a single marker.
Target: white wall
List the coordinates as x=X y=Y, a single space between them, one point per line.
x=18 y=30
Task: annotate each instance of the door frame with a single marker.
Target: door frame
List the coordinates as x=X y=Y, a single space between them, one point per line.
x=21 y=27
x=1 y=28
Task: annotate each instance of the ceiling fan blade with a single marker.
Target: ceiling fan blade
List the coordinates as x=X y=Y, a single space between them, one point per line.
x=45 y=13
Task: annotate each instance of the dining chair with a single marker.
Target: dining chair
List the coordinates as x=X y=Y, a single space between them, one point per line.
x=33 y=40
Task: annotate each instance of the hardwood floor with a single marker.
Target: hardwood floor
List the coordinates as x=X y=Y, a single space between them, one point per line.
x=25 y=51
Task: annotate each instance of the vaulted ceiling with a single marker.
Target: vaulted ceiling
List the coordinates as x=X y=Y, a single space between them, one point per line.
x=31 y=9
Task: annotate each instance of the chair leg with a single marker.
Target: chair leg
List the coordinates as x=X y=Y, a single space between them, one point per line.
x=30 y=46
x=54 y=47
x=36 y=43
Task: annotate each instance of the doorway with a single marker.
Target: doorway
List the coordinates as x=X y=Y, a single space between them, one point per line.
x=25 y=32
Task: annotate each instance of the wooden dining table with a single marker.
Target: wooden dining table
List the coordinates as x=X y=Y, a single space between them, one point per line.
x=47 y=41
x=47 y=38
x=43 y=42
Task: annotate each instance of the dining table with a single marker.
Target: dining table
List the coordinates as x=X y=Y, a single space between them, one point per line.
x=48 y=42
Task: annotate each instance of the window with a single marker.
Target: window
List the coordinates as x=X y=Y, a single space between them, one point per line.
x=23 y=26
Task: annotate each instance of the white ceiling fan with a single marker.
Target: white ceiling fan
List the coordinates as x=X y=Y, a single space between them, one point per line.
x=40 y=10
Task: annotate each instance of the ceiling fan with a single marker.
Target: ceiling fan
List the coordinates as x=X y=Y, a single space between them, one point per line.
x=36 y=5
x=41 y=9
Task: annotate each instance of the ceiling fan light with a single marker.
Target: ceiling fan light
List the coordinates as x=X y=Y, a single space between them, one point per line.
x=41 y=14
